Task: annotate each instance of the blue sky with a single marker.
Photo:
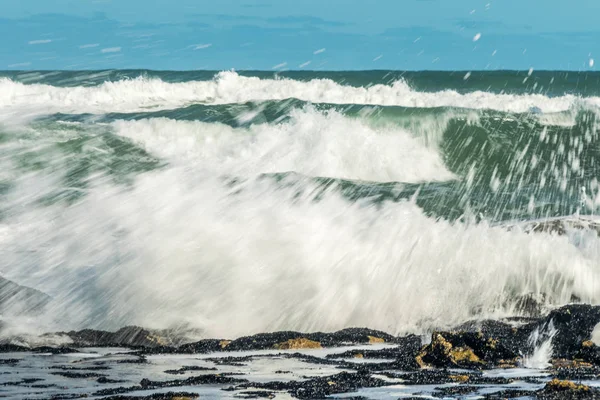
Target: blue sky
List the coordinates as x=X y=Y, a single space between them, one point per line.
x=299 y=34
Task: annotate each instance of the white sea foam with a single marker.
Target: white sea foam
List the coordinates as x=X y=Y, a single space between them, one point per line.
x=311 y=143
x=180 y=246
x=143 y=94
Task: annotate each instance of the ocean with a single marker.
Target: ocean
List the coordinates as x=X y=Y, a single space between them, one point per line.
x=232 y=203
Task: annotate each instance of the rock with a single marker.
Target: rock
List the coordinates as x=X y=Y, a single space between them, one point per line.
x=157 y=396
x=185 y=369
x=275 y=340
x=203 y=346
x=299 y=343
x=131 y=336
x=321 y=387
x=464 y=350
x=557 y=389
x=514 y=338
x=574 y=324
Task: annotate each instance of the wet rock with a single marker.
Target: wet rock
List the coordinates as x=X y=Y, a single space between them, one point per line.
x=158 y=396
x=13 y=348
x=25 y=381
x=321 y=387
x=514 y=337
x=137 y=360
x=408 y=346
x=557 y=389
x=454 y=391
x=256 y=394
x=80 y=368
x=464 y=350
x=282 y=340
x=432 y=377
x=574 y=324
x=299 y=343
x=185 y=369
x=78 y=375
x=510 y=394
x=313 y=359
x=130 y=336
x=215 y=379
x=105 y=380
x=55 y=350
x=147 y=384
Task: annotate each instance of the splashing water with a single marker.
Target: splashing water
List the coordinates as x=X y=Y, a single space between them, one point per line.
x=541 y=343
x=187 y=203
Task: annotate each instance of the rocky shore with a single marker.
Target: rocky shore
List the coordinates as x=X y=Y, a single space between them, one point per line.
x=491 y=359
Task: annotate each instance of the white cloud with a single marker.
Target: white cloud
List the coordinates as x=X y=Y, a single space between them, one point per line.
x=111 y=50
x=43 y=41
x=319 y=51
x=89 y=46
x=25 y=64
x=306 y=64
x=202 y=46
x=279 y=66
x=477 y=37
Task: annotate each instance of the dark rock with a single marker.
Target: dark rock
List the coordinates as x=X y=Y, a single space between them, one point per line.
x=104 y=379
x=138 y=360
x=404 y=354
x=185 y=369
x=13 y=348
x=54 y=350
x=256 y=394
x=80 y=368
x=9 y=361
x=465 y=350
x=231 y=361
x=130 y=336
x=510 y=394
x=78 y=375
x=557 y=389
x=297 y=340
x=203 y=346
x=453 y=391
x=574 y=324
x=157 y=396
x=25 y=381
x=433 y=377
x=214 y=379
x=589 y=352
x=321 y=387
x=513 y=338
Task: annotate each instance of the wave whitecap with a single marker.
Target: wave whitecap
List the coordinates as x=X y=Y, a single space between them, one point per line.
x=142 y=94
